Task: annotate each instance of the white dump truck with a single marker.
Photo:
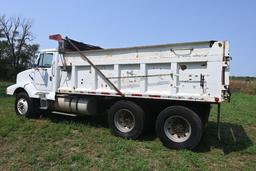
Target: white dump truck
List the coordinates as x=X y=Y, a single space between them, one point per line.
x=170 y=86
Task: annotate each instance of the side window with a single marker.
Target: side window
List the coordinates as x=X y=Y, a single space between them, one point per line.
x=45 y=60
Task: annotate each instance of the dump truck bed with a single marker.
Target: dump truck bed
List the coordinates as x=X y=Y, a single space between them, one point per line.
x=195 y=71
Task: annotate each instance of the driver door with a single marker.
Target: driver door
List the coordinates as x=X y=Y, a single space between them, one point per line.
x=43 y=72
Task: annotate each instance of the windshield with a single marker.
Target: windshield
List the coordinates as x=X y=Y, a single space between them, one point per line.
x=45 y=60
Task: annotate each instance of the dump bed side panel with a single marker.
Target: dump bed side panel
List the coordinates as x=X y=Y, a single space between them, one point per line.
x=191 y=72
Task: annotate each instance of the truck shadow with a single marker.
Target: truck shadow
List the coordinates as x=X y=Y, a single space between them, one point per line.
x=99 y=121
x=233 y=136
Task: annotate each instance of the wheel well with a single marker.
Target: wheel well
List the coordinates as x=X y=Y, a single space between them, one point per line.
x=19 y=90
x=202 y=110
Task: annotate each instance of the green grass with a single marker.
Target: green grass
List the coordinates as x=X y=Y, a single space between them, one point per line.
x=3 y=86
x=66 y=143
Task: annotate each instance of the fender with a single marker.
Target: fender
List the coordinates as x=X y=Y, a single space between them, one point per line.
x=30 y=89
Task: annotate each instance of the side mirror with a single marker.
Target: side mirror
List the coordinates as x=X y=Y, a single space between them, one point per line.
x=34 y=65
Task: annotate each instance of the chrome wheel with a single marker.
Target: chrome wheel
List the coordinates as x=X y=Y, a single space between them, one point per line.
x=124 y=120
x=22 y=106
x=177 y=128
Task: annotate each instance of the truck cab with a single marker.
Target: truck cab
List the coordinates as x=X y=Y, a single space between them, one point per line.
x=40 y=79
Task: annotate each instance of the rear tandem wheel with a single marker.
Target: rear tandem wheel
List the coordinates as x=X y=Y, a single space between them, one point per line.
x=179 y=127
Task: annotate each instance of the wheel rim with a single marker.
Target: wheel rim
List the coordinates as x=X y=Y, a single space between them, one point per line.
x=22 y=106
x=177 y=128
x=124 y=120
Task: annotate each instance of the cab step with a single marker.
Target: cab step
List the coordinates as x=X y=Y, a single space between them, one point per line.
x=43 y=101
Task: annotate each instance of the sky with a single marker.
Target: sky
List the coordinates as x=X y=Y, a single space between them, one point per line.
x=119 y=23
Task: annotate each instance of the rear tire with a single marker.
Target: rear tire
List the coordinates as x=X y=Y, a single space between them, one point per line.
x=126 y=119
x=179 y=127
x=24 y=105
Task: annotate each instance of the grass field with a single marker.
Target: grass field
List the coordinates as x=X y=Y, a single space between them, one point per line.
x=71 y=143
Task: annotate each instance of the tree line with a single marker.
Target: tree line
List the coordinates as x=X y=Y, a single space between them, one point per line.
x=16 y=47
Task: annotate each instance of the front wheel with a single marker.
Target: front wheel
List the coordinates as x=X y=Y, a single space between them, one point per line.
x=179 y=127
x=24 y=105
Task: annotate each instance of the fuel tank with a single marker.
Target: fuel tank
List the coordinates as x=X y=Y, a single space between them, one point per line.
x=77 y=105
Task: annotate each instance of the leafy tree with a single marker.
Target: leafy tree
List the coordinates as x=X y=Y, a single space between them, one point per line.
x=16 y=48
x=4 y=50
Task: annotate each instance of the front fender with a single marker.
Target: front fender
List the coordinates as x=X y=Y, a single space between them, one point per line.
x=28 y=87
x=11 y=89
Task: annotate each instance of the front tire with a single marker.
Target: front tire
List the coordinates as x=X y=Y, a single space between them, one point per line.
x=126 y=119
x=179 y=127
x=24 y=105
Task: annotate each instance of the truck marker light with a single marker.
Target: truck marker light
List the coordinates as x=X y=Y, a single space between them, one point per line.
x=157 y=96
x=136 y=94
x=106 y=93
